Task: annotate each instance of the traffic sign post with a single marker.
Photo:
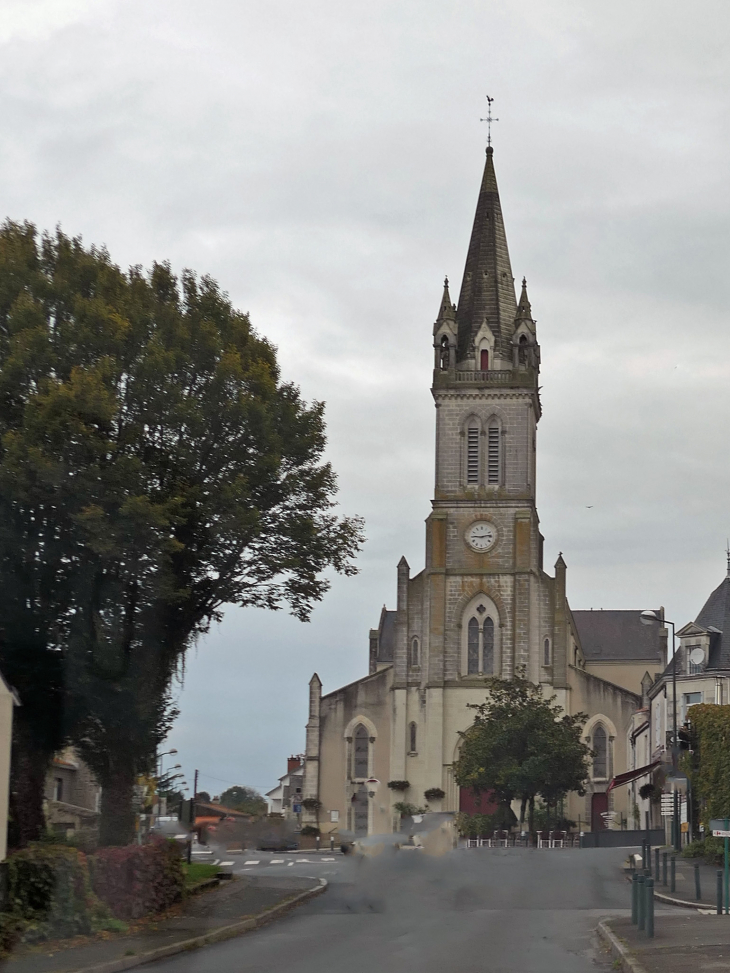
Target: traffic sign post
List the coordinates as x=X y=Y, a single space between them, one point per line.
x=721 y=829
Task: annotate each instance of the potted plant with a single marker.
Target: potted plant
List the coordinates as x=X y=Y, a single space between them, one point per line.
x=434 y=794
x=399 y=785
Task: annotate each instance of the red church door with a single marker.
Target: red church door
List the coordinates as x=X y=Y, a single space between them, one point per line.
x=484 y=364
x=471 y=803
x=599 y=804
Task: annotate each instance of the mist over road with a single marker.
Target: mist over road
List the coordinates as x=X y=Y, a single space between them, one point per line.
x=473 y=911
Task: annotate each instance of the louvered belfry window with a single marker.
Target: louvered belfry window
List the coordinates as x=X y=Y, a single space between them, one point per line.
x=472 y=454
x=472 y=648
x=493 y=454
x=488 y=650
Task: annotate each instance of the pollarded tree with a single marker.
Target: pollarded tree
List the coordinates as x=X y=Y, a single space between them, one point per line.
x=521 y=746
x=153 y=468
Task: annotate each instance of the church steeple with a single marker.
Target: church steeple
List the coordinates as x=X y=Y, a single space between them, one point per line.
x=487 y=290
x=524 y=308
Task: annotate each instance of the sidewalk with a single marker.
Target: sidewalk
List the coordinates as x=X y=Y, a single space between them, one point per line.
x=681 y=942
x=238 y=906
x=685 y=881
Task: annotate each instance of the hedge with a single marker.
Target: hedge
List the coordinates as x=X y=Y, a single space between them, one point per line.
x=710 y=765
x=138 y=880
x=50 y=896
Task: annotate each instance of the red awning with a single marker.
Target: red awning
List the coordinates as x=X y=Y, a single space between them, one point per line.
x=632 y=775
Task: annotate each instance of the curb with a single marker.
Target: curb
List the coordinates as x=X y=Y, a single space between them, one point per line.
x=682 y=902
x=619 y=951
x=215 y=936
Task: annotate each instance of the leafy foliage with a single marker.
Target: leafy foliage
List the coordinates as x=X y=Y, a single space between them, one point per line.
x=244 y=799
x=153 y=467
x=140 y=879
x=709 y=765
x=521 y=746
x=475 y=825
x=434 y=794
x=50 y=894
x=405 y=809
x=399 y=785
x=309 y=829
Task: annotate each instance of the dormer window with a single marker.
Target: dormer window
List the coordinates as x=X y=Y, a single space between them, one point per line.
x=695 y=659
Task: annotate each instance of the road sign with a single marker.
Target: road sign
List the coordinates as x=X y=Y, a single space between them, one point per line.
x=717 y=833
x=297 y=808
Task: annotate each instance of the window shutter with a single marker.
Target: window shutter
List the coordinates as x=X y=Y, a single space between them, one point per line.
x=472 y=455
x=493 y=455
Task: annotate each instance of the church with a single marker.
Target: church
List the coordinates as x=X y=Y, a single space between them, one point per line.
x=483 y=604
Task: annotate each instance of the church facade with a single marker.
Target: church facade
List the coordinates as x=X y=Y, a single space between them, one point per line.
x=483 y=604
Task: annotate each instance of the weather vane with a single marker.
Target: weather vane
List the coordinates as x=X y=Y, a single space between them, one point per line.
x=489 y=120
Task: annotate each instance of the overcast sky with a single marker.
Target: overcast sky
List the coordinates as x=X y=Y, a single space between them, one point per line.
x=322 y=161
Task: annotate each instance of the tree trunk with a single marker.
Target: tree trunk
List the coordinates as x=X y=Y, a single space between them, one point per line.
x=117 y=825
x=523 y=805
x=532 y=814
x=27 y=785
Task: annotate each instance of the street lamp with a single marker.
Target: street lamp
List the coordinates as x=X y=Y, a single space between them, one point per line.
x=649 y=617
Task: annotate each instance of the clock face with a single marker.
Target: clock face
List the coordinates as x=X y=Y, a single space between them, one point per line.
x=481 y=535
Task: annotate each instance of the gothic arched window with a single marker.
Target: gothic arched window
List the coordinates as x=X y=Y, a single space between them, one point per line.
x=546 y=652
x=361 y=752
x=444 y=353
x=472 y=452
x=493 y=451
x=472 y=652
x=414 y=656
x=484 y=360
x=412 y=737
x=599 y=751
x=488 y=646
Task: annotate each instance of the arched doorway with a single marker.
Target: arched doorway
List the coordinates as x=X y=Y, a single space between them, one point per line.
x=599 y=806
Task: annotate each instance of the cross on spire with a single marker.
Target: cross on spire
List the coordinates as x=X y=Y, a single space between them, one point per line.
x=489 y=120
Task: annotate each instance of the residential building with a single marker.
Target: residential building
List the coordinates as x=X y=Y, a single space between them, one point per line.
x=286 y=797
x=72 y=795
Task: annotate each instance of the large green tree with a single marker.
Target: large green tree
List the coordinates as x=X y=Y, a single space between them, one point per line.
x=244 y=799
x=522 y=745
x=153 y=468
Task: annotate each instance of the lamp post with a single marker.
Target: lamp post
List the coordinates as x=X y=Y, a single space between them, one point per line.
x=649 y=617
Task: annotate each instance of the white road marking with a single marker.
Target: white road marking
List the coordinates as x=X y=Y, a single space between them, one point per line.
x=252 y=863
x=276 y=861
x=328 y=859
x=290 y=863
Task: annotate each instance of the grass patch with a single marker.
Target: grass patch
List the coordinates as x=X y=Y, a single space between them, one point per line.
x=198 y=871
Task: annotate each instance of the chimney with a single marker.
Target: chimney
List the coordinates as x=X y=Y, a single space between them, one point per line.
x=293 y=763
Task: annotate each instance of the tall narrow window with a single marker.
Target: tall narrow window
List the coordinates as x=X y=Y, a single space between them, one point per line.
x=361 y=753
x=484 y=360
x=599 y=752
x=414 y=659
x=493 y=453
x=472 y=454
x=488 y=642
x=412 y=738
x=546 y=652
x=472 y=655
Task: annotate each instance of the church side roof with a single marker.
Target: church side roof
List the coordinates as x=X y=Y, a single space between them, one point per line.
x=487 y=289
x=617 y=636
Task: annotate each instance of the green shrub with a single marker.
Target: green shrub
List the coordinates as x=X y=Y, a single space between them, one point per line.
x=710 y=848
x=50 y=895
x=309 y=829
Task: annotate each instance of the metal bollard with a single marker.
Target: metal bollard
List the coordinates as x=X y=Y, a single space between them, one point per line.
x=649 y=907
x=644 y=864
x=317 y=842
x=634 y=899
x=673 y=875
x=698 y=891
x=664 y=867
x=640 y=897
x=719 y=891
x=656 y=864
x=332 y=842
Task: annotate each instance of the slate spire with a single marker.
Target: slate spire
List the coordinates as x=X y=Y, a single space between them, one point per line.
x=487 y=290
x=524 y=308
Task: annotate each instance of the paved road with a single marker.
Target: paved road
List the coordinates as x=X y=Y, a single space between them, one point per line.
x=474 y=911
